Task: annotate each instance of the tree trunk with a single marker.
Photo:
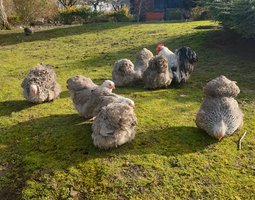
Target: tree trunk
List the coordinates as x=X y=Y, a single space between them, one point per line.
x=139 y=10
x=95 y=7
x=3 y=17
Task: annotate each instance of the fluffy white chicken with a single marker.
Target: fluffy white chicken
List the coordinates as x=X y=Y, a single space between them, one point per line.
x=114 y=125
x=171 y=57
x=219 y=114
x=89 y=98
x=81 y=89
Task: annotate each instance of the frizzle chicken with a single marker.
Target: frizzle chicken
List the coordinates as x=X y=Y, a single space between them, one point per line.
x=114 y=125
x=40 y=84
x=219 y=114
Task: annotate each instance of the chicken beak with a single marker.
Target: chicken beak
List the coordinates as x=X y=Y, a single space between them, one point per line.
x=220 y=136
x=33 y=89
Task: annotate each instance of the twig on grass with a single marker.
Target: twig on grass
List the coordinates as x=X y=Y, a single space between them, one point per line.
x=240 y=141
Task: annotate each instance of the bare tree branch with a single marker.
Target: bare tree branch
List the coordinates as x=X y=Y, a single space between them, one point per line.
x=3 y=17
x=68 y=3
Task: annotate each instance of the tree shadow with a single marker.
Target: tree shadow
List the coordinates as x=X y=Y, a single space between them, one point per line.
x=59 y=141
x=8 y=107
x=41 y=35
x=206 y=27
x=43 y=144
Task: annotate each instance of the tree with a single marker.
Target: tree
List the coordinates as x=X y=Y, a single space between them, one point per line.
x=139 y=3
x=3 y=17
x=235 y=15
x=30 y=10
x=118 y=4
x=68 y=3
x=140 y=7
x=94 y=3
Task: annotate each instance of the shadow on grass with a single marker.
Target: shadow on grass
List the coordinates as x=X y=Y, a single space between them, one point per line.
x=41 y=35
x=43 y=144
x=103 y=59
x=57 y=142
x=171 y=141
x=7 y=107
x=206 y=27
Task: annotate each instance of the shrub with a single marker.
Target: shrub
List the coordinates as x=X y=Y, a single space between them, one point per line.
x=121 y=15
x=236 y=15
x=200 y=13
x=77 y=15
x=14 y=20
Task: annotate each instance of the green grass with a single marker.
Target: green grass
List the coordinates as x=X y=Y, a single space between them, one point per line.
x=46 y=150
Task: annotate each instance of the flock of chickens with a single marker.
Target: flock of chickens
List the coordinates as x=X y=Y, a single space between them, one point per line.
x=114 y=120
x=156 y=71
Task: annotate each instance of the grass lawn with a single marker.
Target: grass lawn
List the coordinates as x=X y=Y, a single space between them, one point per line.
x=46 y=150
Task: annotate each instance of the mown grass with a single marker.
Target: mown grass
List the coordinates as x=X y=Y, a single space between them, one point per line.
x=46 y=151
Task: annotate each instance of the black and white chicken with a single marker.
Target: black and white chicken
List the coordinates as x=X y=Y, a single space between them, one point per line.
x=181 y=63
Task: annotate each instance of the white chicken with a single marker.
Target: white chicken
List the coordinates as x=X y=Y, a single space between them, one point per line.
x=171 y=57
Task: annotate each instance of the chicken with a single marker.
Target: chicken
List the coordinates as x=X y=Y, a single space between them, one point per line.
x=124 y=74
x=142 y=61
x=171 y=57
x=114 y=125
x=181 y=63
x=157 y=75
x=28 y=31
x=221 y=87
x=102 y=97
x=219 y=114
x=186 y=58
x=81 y=90
x=40 y=84
x=88 y=98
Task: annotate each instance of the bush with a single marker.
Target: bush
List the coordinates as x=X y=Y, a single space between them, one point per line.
x=14 y=20
x=174 y=14
x=200 y=13
x=121 y=15
x=77 y=15
x=85 y=15
x=31 y=10
x=236 y=15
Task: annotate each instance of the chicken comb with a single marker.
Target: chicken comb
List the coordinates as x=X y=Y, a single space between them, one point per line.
x=160 y=45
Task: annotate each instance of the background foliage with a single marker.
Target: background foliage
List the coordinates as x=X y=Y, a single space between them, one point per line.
x=236 y=15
